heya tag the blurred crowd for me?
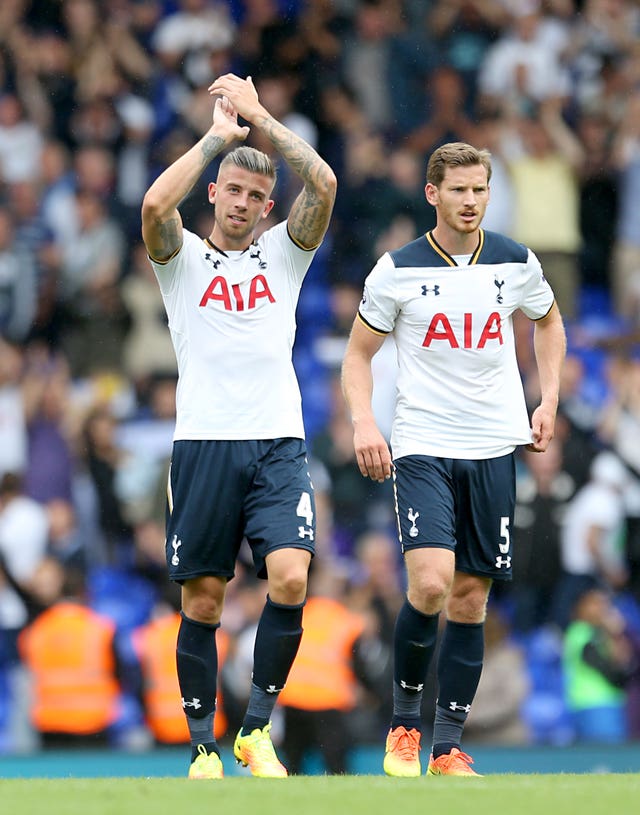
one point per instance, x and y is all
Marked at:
(96, 98)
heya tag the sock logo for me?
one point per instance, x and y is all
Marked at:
(456, 706)
(273, 689)
(194, 703)
(405, 686)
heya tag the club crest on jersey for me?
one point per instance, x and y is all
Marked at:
(254, 254)
(235, 297)
(435, 289)
(440, 328)
(499, 284)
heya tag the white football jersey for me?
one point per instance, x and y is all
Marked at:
(232, 322)
(459, 391)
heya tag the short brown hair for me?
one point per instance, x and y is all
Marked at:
(456, 154)
(255, 161)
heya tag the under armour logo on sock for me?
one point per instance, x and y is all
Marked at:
(406, 686)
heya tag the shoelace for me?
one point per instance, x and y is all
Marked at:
(455, 758)
(263, 746)
(406, 744)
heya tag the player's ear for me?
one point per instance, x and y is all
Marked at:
(268, 208)
(211, 191)
(431, 193)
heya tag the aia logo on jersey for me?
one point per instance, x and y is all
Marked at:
(440, 329)
(235, 297)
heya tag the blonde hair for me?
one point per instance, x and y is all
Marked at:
(255, 161)
(456, 154)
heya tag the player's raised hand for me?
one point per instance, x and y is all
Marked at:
(241, 93)
(372, 452)
(225, 120)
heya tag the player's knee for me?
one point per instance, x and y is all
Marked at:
(428, 591)
(203, 608)
(288, 587)
(469, 606)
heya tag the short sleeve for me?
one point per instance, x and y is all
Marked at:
(379, 306)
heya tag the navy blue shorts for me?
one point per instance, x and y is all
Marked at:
(459, 504)
(220, 492)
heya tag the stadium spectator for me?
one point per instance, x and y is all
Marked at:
(543, 491)
(592, 536)
(94, 320)
(543, 163)
(523, 68)
(357, 505)
(147, 346)
(626, 262)
(102, 458)
(464, 31)
(323, 687)
(155, 648)
(599, 661)
(18, 282)
(599, 195)
(70, 651)
(496, 717)
(446, 119)
(52, 426)
(20, 141)
(13, 419)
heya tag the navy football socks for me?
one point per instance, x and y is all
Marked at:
(277, 642)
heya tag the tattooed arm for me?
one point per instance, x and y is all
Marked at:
(311, 211)
(161, 221)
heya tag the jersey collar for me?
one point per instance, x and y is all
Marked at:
(447, 257)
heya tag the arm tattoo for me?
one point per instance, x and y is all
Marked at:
(309, 216)
(169, 238)
(211, 146)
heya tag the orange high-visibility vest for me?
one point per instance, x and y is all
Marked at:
(321, 677)
(155, 644)
(69, 650)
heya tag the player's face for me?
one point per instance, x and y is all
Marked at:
(241, 200)
(461, 200)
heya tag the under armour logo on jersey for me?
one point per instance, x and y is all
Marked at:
(503, 561)
(435, 289)
(456, 706)
(176, 544)
(499, 284)
(194, 703)
(213, 261)
(303, 532)
(405, 686)
(413, 516)
(255, 254)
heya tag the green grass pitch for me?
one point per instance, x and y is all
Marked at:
(546, 794)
